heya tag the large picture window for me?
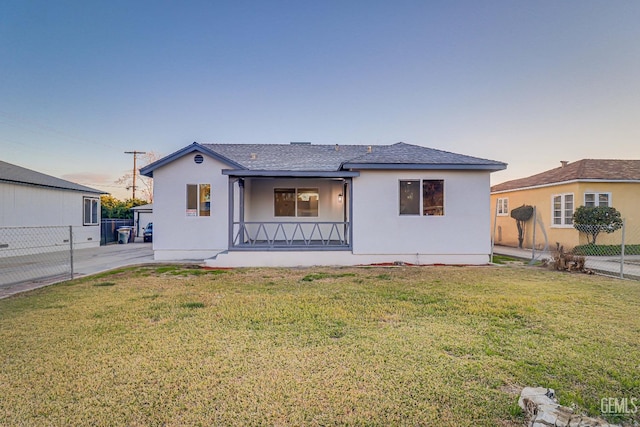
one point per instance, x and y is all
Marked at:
(285, 201)
(426, 201)
(198, 200)
(562, 209)
(301, 202)
(90, 215)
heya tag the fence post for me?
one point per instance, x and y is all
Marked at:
(624, 222)
(493, 235)
(71, 248)
(533, 242)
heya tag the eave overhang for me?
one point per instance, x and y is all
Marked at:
(571, 181)
(425, 166)
(242, 173)
(54, 187)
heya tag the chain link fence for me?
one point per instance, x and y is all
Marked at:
(35, 253)
(609, 250)
(606, 250)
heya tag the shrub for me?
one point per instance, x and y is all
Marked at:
(595, 220)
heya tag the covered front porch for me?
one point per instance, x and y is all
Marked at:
(296, 211)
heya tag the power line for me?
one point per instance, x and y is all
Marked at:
(135, 157)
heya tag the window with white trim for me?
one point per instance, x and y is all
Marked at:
(198, 200)
(592, 200)
(562, 209)
(503, 206)
(90, 211)
(430, 197)
(294, 202)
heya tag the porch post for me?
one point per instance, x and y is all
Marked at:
(350, 184)
(231, 213)
(241, 201)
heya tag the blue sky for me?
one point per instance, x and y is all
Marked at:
(529, 83)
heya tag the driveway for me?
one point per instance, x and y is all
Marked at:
(87, 262)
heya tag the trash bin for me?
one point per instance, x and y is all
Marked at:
(132, 234)
(123, 235)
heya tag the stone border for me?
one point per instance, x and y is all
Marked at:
(542, 410)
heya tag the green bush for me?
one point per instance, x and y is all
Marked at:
(605, 250)
(595, 220)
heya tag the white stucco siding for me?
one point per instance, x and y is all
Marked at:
(31, 206)
(177, 235)
(259, 199)
(378, 228)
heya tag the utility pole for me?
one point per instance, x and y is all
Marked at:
(135, 169)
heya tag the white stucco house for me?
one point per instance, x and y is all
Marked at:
(33, 199)
(307, 204)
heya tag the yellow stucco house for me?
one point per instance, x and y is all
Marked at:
(556, 194)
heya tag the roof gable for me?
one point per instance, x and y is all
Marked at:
(18, 175)
(586, 169)
(193, 148)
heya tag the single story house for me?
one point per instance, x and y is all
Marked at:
(33, 199)
(307, 204)
(556, 194)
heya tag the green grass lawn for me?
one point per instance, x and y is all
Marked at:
(438, 346)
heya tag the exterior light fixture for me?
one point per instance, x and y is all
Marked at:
(340, 198)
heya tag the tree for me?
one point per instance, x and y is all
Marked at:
(521, 215)
(114, 208)
(144, 185)
(595, 220)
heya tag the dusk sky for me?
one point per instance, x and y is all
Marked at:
(528, 83)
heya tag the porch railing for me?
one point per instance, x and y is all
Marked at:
(291, 235)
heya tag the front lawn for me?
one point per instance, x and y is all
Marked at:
(438, 346)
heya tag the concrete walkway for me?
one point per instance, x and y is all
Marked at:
(91, 261)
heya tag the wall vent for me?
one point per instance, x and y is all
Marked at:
(198, 158)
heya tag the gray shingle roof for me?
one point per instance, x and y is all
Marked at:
(290, 157)
(18, 175)
(305, 159)
(308, 157)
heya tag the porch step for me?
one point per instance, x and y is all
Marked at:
(216, 256)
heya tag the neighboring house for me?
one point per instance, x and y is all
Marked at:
(556, 194)
(142, 215)
(33, 199)
(303, 204)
